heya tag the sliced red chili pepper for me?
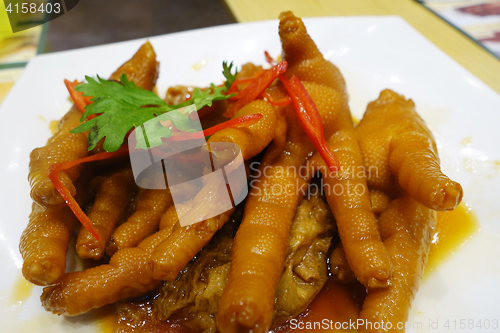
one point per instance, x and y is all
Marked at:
(80, 101)
(309, 118)
(233, 89)
(234, 86)
(247, 80)
(256, 88)
(54, 170)
(270, 59)
(281, 102)
(243, 121)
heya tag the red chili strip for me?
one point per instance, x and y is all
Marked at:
(243, 121)
(309, 118)
(247, 80)
(233, 89)
(234, 86)
(80, 101)
(270, 59)
(281, 102)
(66, 195)
(256, 88)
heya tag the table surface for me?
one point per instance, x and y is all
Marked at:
(464, 50)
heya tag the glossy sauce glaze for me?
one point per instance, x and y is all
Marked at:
(452, 230)
(336, 304)
(137, 316)
(21, 290)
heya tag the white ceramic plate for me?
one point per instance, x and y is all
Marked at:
(373, 53)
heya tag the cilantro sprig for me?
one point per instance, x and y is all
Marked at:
(226, 71)
(124, 106)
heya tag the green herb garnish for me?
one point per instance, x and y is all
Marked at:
(122, 107)
(226, 70)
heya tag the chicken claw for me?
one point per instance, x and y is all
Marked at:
(397, 143)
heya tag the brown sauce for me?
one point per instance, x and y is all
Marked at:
(21, 290)
(119, 320)
(452, 230)
(336, 302)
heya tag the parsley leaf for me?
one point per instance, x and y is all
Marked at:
(207, 96)
(124, 106)
(150, 133)
(120, 108)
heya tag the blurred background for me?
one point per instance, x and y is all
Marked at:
(95, 22)
(467, 30)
